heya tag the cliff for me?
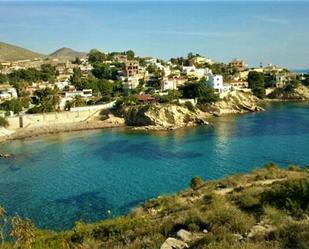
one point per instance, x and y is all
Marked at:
(299, 93)
(233, 103)
(161, 117)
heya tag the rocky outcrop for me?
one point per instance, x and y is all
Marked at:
(161, 117)
(172, 243)
(5, 155)
(299, 93)
(235, 102)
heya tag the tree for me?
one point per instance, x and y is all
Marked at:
(76, 78)
(78, 101)
(95, 56)
(130, 54)
(77, 61)
(105, 87)
(48, 73)
(199, 90)
(3, 78)
(3, 123)
(14, 105)
(256, 83)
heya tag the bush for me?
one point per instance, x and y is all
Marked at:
(189, 106)
(292, 195)
(3, 122)
(222, 213)
(196, 183)
(294, 235)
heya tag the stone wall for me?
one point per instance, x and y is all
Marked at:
(79, 114)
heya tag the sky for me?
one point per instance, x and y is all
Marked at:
(274, 32)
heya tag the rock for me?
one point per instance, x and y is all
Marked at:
(235, 102)
(260, 231)
(158, 117)
(4, 155)
(184, 235)
(205, 231)
(238, 237)
(171, 243)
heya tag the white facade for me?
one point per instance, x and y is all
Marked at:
(216, 82)
(168, 84)
(131, 82)
(8, 93)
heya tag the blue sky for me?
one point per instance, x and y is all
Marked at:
(268, 32)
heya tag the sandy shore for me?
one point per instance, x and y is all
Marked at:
(54, 129)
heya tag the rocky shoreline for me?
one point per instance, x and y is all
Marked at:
(150, 117)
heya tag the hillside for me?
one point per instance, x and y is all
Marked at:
(13, 53)
(266, 209)
(67, 53)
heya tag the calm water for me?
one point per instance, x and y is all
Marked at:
(59, 179)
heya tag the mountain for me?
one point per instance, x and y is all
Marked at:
(67, 53)
(10, 52)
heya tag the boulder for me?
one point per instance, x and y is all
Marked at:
(260, 230)
(184, 235)
(171, 243)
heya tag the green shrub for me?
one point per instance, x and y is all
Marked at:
(196, 182)
(292, 195)
(293, 167)
(222, 213)
(3, 122)
(294, 235)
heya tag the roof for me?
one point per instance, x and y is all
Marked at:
(144, 97)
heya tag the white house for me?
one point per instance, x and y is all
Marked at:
(168, 84)
(8, 93)
(215, 81)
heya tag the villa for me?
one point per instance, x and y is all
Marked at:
(216, 82)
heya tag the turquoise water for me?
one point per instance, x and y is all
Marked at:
(57, 180)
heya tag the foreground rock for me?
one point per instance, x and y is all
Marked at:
(171, 243)
(184, 235)
(161, 117)
(4, 155)
(235, 102)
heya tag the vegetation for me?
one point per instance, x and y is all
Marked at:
(220, 214)
(3, 123)
(286, 92)
(256, 83)
(13, 105)
(199, 90)
(47, 100)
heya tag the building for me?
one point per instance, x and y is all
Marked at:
(8, 93)
(131, 68)
(201, 60)
(216, 82)
(85, 93)
(145, 98)
(169, 84)
(240, 65)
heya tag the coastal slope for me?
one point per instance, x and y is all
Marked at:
(266, 209)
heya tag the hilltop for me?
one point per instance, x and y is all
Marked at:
(10, 52)
(67, 53)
